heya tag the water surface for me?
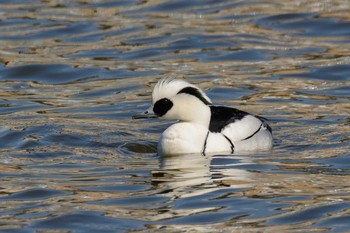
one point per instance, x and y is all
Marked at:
(73, 73)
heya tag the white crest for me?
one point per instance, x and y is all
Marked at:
(169, 87)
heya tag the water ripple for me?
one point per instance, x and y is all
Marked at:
(72, 73)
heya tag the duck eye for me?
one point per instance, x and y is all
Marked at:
(162, 106)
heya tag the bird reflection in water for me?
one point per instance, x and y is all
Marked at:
(188, 175)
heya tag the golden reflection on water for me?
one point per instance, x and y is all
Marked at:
(77, 136)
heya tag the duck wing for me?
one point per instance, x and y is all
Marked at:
(222, 116)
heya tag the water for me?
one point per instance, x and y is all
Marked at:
(72, 73)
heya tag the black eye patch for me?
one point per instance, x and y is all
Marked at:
(162, 106)
(195, 92)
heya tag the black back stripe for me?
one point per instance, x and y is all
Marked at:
(232, 146)
(222, 116)
(205, 143)
(195, 92)
(253, 133)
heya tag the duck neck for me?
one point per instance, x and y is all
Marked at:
(199, 115)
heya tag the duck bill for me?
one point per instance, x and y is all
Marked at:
(145, 115)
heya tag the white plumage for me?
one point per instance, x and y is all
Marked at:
(203, 127)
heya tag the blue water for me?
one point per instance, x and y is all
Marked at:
(73, 73)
